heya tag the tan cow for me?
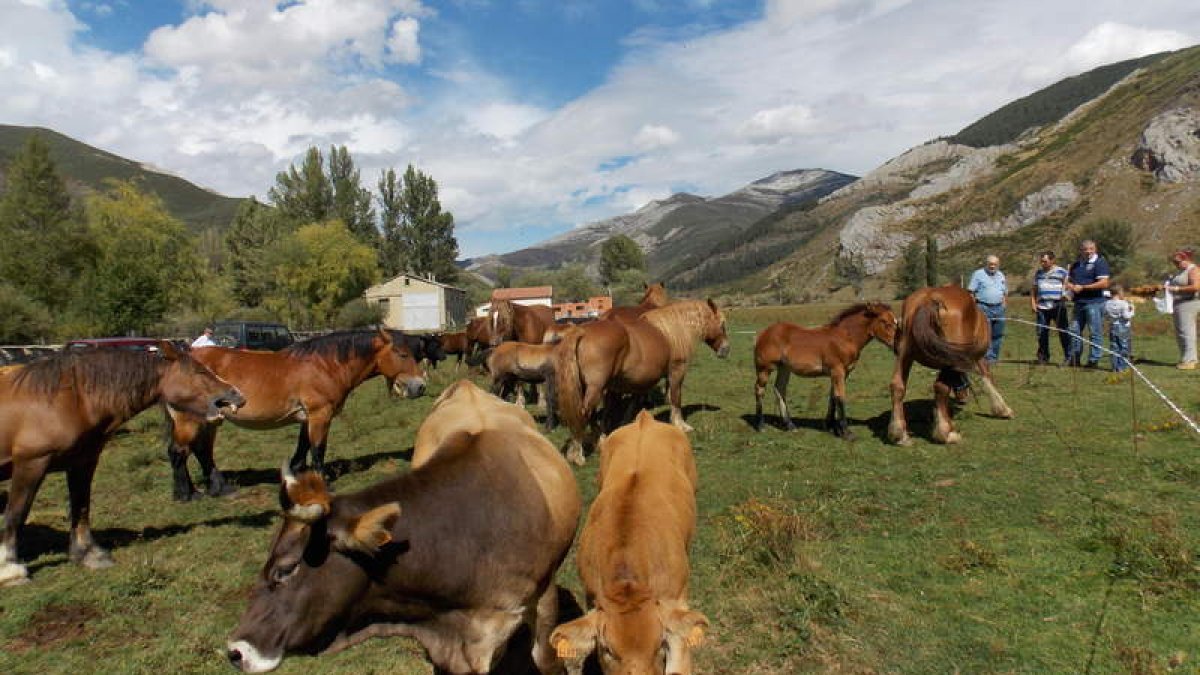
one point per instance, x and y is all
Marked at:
(465, 408)
(633, 556)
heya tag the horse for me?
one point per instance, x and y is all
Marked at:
(306, 383)
(523, 323)
(479, 334)
(57, 414)
(605, 359)
(514, 364)
(943, 329)
(831, 350)
(455, 344)
(426, 348)
(654, 297)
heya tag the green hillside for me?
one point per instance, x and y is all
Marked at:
(86, 168)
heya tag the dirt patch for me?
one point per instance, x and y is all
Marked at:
(53, 624)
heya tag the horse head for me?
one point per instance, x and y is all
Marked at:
(884, 323)
(395, 361)
(716, 334)
(655, 295)
(501, 321)
(188, 386)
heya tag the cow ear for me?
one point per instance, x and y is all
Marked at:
(576, 639)
(686, 625)
(303, 497)
(370, 531)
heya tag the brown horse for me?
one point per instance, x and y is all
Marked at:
(455, 344)
(479, 334)
(941, 328)
(307, 383)
(523, 323)
(57, 413)
(654, 297)
(607, 359)
(514, 364)
(831, 350)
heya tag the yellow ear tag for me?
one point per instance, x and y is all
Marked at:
(563, 649)
(695, 636)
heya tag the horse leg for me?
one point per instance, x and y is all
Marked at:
(836, 417)
(761, 376)
(217, 487)
(999, 407)
(675, 394)
(182, 433)
(898, 427)
(782, 375)
(83, 548)
(318, 433)
(943, 424)
(303, 445)
(551, 403)
(26, 479)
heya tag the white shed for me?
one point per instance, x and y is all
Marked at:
(414, 303)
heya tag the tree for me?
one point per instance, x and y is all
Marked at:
(392, 259)
(849, 269)
(421, 235)
(1114, 239)
(304, 195)
(44, 243)
(351, 202)
(572, 284)
(931, 261)
(318, 269)
(256, 228)
(911, 273)
(619, 253)
(504, 276)
(21, 318)
(145, 264)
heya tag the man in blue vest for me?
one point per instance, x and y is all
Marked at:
(990, 289)
(1086, 280)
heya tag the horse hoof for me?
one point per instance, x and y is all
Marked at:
(222, 491)
(904, 441)
(97, 559)
(952, 438)
(13, 574)
(685, 427)
(847, 435)
(1006, 414)
(194, 495)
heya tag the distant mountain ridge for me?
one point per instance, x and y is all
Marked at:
(676, 229)
(85, 168)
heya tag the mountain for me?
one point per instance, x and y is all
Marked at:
(85, 169)
(677, 229)
(1118, 144)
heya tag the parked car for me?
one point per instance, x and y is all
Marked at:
(11, 355)
(130, 343)
(252, 335)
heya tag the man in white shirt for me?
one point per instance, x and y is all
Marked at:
(205, 339)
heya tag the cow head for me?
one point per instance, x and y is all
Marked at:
(322, 563)
(653, 638)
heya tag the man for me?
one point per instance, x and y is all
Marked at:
(1049, 304)
(205, 339)
(1086, 280)
(990, 289)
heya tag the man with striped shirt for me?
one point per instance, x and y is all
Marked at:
(1049, 304)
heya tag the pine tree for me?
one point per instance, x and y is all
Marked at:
(391, 256)
(255, 229)
(304, 195)
(351, 202)
(426, 233)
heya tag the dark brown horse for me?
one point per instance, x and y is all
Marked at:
(479, 334)
(831, 350)
(654, 297)
(455, 344)
(943, 329)
(305, 384)
(604, 360)
(523, 323)
(57, 413)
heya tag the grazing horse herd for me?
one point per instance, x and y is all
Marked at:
(461, 551)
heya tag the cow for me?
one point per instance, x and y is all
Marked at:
(458, 553)
(426, 348)
(633, 557)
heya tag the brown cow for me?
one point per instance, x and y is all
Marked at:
(633, 556)
(457, 553)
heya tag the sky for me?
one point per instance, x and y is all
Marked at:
(536, 116)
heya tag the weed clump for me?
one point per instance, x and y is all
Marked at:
(767, 531)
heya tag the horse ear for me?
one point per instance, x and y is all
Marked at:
(383, 333)
(713, 306)
(645, 286)
(168, 350)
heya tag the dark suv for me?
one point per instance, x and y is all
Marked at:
(252, 335)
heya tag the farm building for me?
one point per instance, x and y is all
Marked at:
(415, 303)
(531, 295)
(592, 308)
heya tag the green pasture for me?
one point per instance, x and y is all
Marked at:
(1066, 540)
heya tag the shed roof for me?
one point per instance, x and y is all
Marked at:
(523, 293)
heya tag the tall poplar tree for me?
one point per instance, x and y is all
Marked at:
(419, 236)
(304, 195)
(351, 202)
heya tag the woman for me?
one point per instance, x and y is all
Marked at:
(1185, 287)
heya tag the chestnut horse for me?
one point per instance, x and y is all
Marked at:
(306, 383)
(57, 413)
(514, 364)
(523, 323)
(479, 334)
(455, 344)
(654, 297)
(943, 329)
(831, 350)
(604, 360)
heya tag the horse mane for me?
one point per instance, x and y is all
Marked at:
(341, 345)
(682, 323)
(117, 379)
(858, 308)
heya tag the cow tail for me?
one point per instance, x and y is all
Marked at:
(569, 382)
(928, 336)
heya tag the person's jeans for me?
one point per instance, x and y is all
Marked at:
(1185, 328)
(1089, 316)
(1120, 342)
(1058, 316)
(995, 315)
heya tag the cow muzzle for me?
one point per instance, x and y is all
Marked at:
(243, 656)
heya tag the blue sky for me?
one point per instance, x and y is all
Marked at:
(536, 116)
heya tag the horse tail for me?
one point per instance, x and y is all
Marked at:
(927, 333)
(479, 357)
(568, 381)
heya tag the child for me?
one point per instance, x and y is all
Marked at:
(1120, 314)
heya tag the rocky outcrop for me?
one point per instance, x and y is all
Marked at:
(1170, 146)
(1045, 202)
(869, 237)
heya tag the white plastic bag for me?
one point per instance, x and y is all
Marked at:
(1165, 304)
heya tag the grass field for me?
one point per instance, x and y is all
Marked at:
(1066, 540)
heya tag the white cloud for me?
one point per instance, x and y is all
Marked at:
(1110, 42)
(769, 126)
(402, 45)
(652, 136)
